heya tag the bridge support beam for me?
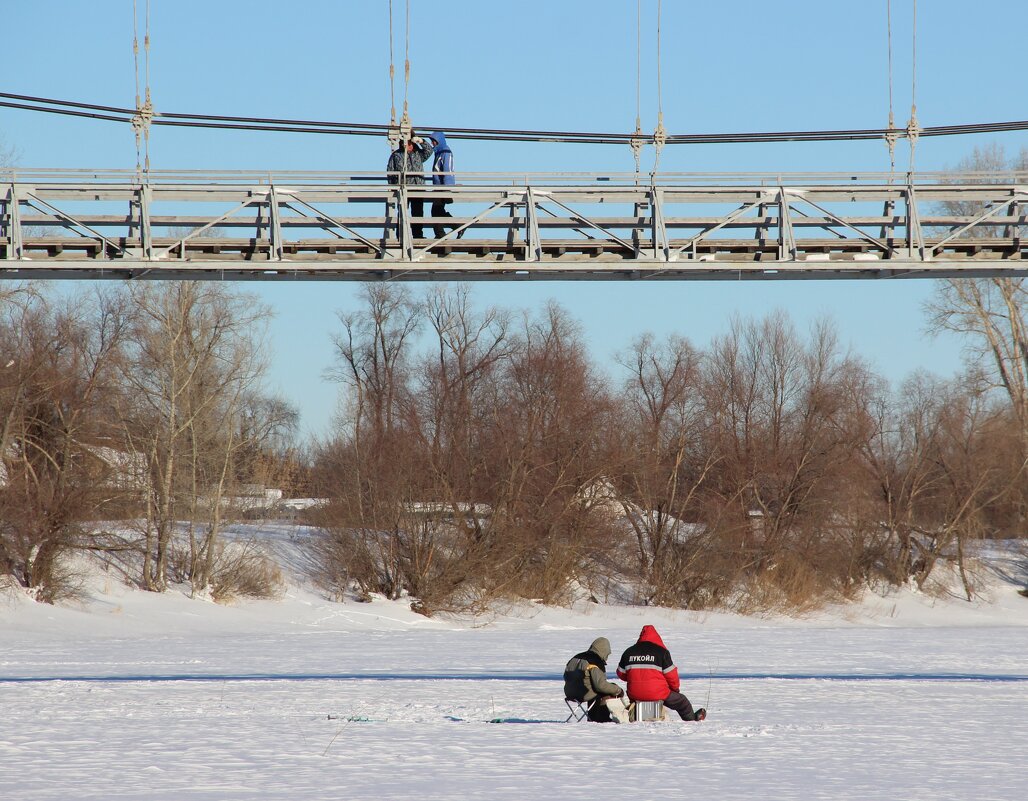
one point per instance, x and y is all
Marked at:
(12, 224)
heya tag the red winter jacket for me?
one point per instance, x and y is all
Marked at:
(648, 669)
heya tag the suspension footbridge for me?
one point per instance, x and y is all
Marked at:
(351, 226)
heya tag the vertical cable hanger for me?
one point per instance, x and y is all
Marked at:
(136, 120)
(659, 135)
(890, 136)
(636, 141)
(405, 126)
(913, 129)
(147, 104)
(394, 133)
(144, 110)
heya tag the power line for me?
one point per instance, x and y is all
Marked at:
(125, 115)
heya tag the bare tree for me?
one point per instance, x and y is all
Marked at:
(449, 413)
(468, 349)
(991, 312)
(8, 154)
(8, 159)
(266, 430)
(972, 478)
(900, 456)
(546, 440)
(373, 355)
(368, 468)
(787, 428)
(666, 462)
(196, 353)
(58, 466)
(985, 165)
(462, 479)
(942, 469)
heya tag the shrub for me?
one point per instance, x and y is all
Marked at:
(241, 570)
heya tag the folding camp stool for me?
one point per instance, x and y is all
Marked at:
(579, 710)
(646, 711)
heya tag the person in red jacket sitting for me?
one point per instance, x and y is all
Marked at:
(651, 675)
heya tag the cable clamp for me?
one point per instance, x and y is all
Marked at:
(636, 143)
(913, 129)
(660, 136)
(659, 140)
(891, 134)
(405, 127)
(143, 117)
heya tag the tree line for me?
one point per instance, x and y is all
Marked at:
(127, 415)
(489, 458)
(481, 454)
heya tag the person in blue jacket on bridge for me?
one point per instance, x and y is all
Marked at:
(442, 175)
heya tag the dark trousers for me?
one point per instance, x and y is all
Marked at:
(681, 705)
(417, 209)
(598, 712)
(439, 210)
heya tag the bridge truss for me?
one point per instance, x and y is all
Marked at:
(346, 226)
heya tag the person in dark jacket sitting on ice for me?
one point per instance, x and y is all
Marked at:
(651, 675)
(585, 680)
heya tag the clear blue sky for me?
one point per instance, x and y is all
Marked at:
(545, 64)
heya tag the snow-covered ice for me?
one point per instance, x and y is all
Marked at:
(131, 695)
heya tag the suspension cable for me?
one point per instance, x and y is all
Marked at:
(216, 121)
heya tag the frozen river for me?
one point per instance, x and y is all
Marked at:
(401, 709)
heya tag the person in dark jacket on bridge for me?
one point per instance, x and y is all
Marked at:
(651, 675)
(408, 162)
(585, 680)
(442, 175)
